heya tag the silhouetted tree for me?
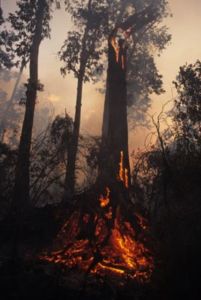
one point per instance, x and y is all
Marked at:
(81, 53)
(115, 127)
(187, 108)
(31, 19)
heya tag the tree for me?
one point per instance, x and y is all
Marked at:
(32, 19)
(81, 55)
(7, 38)
(187, 108)
(49, 158)
(115, 129)
(20, 49)
(98, 21)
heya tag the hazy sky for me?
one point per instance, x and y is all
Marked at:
(185, 47)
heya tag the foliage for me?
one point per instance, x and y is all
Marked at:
(48, 161)
(7, 38)
(7, 167)
(23, 22)
(87, 163)
(143, 76)
(82, 50)
(95, 25)
(187, 107)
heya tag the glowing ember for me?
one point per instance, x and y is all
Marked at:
(120, 59)
(123, 172)
(122, 256)
(104, 200)
(115, 47)
(104, 242)
(119, 49)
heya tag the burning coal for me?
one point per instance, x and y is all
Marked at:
(102, 241)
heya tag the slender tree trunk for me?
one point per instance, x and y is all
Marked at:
(21, 188)
(71, 165)
(10, 101)
(115, 127)
(72, 153)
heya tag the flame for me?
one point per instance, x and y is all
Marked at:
(115, 47)
(123, 256)
(104, 243)
(123, 172)
(119, 60)
(104, 200)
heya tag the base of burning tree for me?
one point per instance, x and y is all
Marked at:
(104, 239)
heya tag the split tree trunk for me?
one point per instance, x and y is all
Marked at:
(21, 188)
(115, 128)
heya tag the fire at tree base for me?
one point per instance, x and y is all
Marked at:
(104, 239)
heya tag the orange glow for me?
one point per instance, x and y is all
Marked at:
(123, 256)
(104, 200)
(123, 62)
(115, 47)
(104, 243)
(123, 172)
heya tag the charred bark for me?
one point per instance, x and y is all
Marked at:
(21, 188)
(115, 128)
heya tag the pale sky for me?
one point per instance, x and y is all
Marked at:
(185, 47)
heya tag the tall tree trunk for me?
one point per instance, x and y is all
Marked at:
(114, 148)
(10, 101)
(72, 153)
(21, 188)
(115, 128)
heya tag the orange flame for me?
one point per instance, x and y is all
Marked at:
(106, 250)
(123, 172)
(115, 47)
(122, 256)
(119, 60)
(105, 200)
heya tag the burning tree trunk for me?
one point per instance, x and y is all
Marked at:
(115, 128)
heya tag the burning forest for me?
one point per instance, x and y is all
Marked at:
(84, 212)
